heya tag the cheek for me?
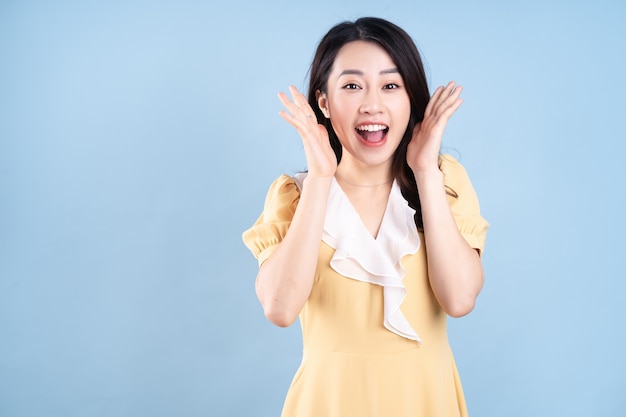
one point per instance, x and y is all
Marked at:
(404, 110)
(336, 108)
(340, 128)
(340, 117)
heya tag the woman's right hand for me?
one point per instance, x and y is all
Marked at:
(320, 157)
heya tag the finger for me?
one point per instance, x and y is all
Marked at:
(298, 106)
(289, 105)
(440, 95)
(444, 116)
(446, 92)
(292, 120)
(291, 112)
(450, 98)
(294, 111)
(455, 92)
(295, 117)
(452, 108)
(298, 97)
(301, 101)
(432, 102)
(450, 87)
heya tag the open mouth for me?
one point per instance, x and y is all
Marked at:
(372, 133)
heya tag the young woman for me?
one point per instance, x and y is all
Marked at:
(378, 241)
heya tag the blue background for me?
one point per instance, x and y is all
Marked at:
(138, 139)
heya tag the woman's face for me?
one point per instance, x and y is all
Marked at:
(367, 103)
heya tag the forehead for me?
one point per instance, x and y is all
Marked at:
(363, 56)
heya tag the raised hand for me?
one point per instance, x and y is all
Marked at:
(423, 150)
(321, 160)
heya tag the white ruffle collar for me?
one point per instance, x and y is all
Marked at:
(358, 255)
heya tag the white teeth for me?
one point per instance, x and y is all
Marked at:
(371, 128)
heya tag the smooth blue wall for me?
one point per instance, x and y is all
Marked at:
(138, 139)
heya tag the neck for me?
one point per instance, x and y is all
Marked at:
(378, 184)
(364, 176)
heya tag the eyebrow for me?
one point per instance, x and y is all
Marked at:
(359, 72)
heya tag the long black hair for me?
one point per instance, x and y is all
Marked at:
(403, 52)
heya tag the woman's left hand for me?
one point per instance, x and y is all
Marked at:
(423, 151)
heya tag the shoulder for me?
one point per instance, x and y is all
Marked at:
(272, 225)
(450, 166)
(461, 194)
(283, 193)
(455, 177)
(283, 184)
(463, 202)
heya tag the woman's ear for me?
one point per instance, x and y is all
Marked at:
(322, 102)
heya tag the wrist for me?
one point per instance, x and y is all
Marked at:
(428, 181)
(313, 179)
(433, 174)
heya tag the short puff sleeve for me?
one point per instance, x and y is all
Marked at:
(271, 226)
(463, 202)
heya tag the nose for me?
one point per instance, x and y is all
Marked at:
(371, 102)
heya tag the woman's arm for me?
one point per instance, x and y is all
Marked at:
(285, 279)
(454, 268)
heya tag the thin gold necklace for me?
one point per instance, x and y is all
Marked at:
(363, 185)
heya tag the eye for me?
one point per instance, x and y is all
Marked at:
(391, 86)
(351, 86)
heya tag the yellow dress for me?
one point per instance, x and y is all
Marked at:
(362, 356)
